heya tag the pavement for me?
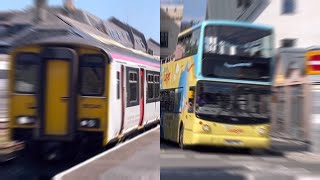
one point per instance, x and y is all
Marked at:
(291, 162)
(136, 159)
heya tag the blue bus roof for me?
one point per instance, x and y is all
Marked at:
(228, 23)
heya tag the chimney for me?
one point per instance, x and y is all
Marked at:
(40, 10)
(69, 5)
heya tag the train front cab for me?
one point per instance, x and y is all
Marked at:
(58, 97)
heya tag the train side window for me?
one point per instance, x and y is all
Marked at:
(150, 86)
(27, 73)
(132, 86)
(118, 85)
(153, 86)
(92, 75)
(156, 86)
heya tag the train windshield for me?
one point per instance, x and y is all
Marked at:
(92, 69)
(237, 53)
(233, 103)
(26, 73)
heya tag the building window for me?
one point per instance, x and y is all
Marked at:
(239, 4)
(244, 3)
(118, 36)
(142, 44)
(288, 6)
(288, 43)
(164, 39)
(150, 51)
(247, 3)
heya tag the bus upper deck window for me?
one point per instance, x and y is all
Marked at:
(26, 73)
(92, 70)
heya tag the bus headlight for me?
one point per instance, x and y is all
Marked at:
(262, 131)
(25, 120)
(206, 128)
(90, 123)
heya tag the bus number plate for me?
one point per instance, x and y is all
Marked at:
(233, 142)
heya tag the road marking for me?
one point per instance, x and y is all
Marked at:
(60, 175)
(304, 177)
(241, 158)
(274, 159)
(172, 156)
(200, 156)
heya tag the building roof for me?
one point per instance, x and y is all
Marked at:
(58, 21)
(134, 34)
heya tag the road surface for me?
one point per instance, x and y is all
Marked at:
(218, 163)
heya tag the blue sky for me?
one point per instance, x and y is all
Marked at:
(144, 15)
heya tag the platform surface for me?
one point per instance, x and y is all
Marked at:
(135, 159)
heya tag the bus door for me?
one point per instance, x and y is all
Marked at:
(142, 94)
(57, 97)
(178, 103)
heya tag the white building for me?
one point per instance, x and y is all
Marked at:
(295, 22)
(170, 15)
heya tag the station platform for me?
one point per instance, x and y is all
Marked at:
(135, 159)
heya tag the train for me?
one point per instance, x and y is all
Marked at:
(71, 88)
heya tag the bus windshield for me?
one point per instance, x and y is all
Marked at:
(232, 103)
(236, 67)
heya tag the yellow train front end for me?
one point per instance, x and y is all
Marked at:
(57, 98)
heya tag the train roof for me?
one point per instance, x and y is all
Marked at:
(73, 32)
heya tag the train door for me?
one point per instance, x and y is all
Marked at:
(57, 107)
(142, 88)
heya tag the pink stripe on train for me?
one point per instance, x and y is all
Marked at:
(126, 58)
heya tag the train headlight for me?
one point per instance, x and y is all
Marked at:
(25, 120)
(206, 128)
(262, 131)
(90, 123)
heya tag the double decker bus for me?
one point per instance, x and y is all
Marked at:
(217, 89)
